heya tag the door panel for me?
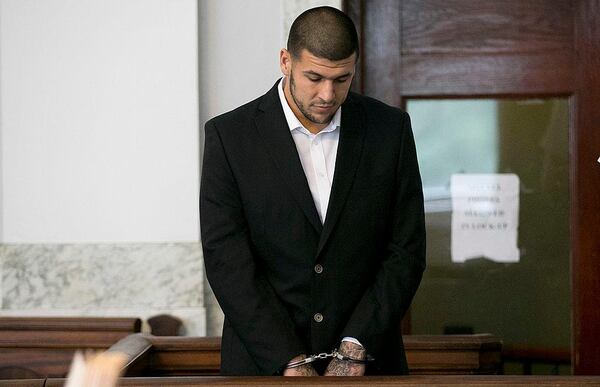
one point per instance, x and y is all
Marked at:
(502, 74)
(448, 26)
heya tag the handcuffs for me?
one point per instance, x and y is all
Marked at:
(324, 355)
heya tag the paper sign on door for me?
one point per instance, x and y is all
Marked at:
(485, 217)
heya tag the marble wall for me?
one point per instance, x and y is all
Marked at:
(128, 279)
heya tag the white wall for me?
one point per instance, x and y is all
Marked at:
(239, 52)
(99, 120)
(100, 109)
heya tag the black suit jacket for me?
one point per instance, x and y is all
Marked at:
(262, 236)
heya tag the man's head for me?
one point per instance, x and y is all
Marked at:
(325, 32)
(319, 65)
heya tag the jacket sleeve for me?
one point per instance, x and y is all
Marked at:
(384, 303)
(245, 295)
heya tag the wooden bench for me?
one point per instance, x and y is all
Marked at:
(40, 347)
(192, 356)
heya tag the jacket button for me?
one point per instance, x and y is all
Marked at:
(318, 317)
(318, 269)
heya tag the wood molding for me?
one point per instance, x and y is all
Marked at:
(502, 74)
(124, 324)
(585, 191)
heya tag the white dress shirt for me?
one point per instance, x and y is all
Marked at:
(317, 153)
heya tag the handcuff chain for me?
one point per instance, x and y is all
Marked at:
(325, 355)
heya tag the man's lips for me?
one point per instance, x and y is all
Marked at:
(323, 108)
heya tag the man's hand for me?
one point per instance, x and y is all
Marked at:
(346, 368)
(303, 370)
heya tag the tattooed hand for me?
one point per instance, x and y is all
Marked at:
(303, 370)
(346, 368)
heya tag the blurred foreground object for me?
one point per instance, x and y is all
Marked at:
(95, 370)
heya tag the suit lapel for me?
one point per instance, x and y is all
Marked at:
(350, 147)
(274, 130)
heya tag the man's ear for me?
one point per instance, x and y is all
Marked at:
(285, 62)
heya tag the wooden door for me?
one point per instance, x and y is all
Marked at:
(511, 49)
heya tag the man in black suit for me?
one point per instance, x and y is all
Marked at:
(311, 212)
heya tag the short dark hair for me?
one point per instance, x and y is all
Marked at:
(325, 32)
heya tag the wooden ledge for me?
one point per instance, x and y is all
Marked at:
(194, 356)
(65, 332)
(371, 381)
(70, 323)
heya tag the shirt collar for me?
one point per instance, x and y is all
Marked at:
(293, 121)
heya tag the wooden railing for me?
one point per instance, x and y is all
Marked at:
(39, 347)
(43, 347)
(370, 381)
(452, 360)
(185, 356)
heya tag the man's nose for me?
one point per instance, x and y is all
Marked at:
(327, 91)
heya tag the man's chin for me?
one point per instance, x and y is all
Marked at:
(320, 119)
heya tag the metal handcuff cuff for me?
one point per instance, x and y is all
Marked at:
(334, 354)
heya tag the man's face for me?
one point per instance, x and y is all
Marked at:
(316, 87)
